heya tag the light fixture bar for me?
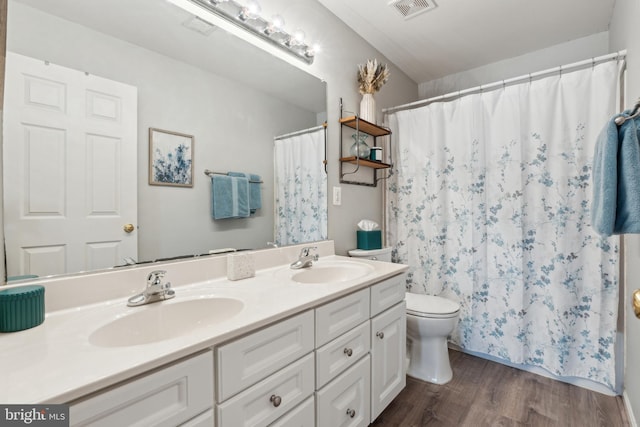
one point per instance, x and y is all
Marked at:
(236, 14)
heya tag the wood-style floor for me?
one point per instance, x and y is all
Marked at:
(485, 393)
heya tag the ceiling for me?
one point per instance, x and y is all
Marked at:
(459, 35)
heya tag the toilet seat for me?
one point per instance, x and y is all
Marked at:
(430, 306)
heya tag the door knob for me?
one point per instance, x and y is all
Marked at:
(128, 228)
(636, 302)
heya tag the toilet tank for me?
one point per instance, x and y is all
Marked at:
(383, 254)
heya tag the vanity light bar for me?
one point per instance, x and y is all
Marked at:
(249, 19)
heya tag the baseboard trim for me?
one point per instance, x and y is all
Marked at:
(627, 405)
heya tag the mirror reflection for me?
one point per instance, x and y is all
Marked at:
(85, 84)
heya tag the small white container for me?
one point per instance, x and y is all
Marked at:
(240, 266)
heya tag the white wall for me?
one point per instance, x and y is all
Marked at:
(624, 35)
(342, 51)
(561, 54)
(3, 40)
(233, 127)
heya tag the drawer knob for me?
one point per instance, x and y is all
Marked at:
(276, 400)
(348, 352)
(380, 334)
(351, 412)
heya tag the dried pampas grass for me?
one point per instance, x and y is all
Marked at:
(372, 76)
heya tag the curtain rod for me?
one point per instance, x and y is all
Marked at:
(301, 132)
(569, 67)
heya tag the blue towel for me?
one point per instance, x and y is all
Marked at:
(230, 197)
(615, 207)
(255, 195)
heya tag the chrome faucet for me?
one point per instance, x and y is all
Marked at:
(155, 290)
(305, 259)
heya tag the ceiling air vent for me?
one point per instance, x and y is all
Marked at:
(412, 8)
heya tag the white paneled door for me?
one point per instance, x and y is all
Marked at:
(70, 161)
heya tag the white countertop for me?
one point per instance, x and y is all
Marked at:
(55, 362)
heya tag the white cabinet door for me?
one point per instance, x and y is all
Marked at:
(271, 398)
(345, 401)
(246, 361)
(388, 338)
(167, 397)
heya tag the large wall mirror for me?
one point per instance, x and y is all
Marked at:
(164, 69)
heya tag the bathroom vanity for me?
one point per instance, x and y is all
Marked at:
(320, 347)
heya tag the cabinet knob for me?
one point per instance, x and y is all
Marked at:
(380, 334)
(348, 352)
(351, 412)
(276, 400)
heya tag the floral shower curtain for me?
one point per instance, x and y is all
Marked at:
(489, 205)
(300, 188)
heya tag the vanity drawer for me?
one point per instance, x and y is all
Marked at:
(256, 406)
(206, 419)
(304, 415)
(342, 352)
(254, 357)
(167, 397)
(345, 401)
(387, 293)
(337, 317)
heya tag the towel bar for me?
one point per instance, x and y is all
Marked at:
(210, 172)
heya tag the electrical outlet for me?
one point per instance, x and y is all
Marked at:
(337, 196)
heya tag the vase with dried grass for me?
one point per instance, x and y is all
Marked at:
(371, 77)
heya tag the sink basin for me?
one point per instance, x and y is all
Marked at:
(164, 320)
(332, 273)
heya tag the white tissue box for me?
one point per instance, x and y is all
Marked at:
(240, 266)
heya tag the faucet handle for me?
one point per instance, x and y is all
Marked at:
(304, 252)
(155, 277)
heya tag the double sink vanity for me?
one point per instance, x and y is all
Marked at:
(317, 346)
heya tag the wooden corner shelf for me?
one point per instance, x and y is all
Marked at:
(365, 162)
(364, 126)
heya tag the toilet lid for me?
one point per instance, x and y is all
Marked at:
(430, 305)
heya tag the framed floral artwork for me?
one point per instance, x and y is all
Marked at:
(170, 158)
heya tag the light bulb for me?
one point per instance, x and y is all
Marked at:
(277, 22)
(298, 36)
(275, 26)
(250, 11)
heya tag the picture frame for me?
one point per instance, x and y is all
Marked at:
(170, 158)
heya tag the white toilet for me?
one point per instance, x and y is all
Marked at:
(430, 320)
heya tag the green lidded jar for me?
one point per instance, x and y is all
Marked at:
(21, 308)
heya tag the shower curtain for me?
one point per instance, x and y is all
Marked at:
(489, 206)
(300, 188)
